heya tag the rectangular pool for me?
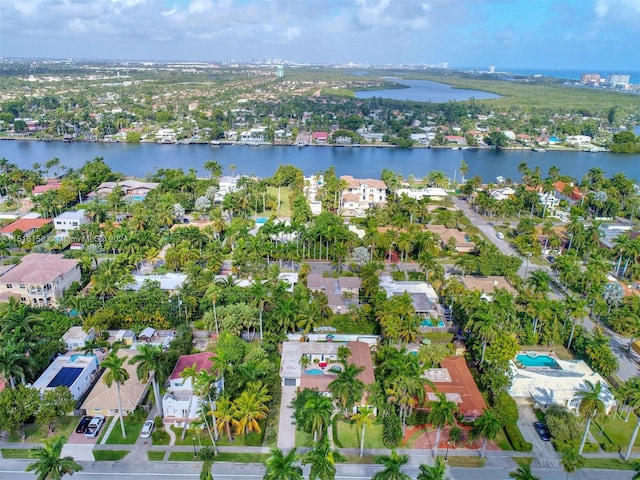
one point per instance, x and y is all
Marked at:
(536, 360)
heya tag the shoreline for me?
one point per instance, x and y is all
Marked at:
(595, 149)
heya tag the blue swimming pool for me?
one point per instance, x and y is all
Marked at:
(261, 220)
(429, 323)
(314, 371)
(536, 360)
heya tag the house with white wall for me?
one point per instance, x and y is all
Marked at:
(69, 221)
(75, 372)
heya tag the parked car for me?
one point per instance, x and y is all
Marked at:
(147, 429)
(500, 235)
(94, 426)
(83, 424)
(542, 431)
(551, 259)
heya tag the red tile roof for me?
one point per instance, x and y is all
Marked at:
(200, 360)
(462, 385)
(25, 225)
(576, 194)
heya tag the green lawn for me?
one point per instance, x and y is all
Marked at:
(132, 429)
(16, 453)
(303, 439)
(607, 463)
(155, 456)
(38, 433)
(350, 436)
(467, 462)
(221, 457)
(110, 455)
(617, 433)
(285, 208)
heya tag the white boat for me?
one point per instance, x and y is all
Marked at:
(539, 150)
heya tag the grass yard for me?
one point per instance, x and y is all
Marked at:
(303, 439)
(132, 429)
(349, 435)
(617, 433)
(155, 456)
(607, 463)
(16, 453)
(38, 433)
(183, 457)
(109, 455)
(466, 462)
(221, 457)
(285, 207)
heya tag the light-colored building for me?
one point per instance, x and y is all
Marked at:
(76, 372)
(104, 400)
(547, 381)
(434, 193)
(361, 194)
(460, 239)
(70, 220)
(170, 282)
(76, 338)
(324, 365)
(131, 188)
(40, 279)
(423, 297)
(26, 226)
(341, 292)
(487, 285)
(180, 404)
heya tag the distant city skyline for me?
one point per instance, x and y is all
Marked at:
(589, 35)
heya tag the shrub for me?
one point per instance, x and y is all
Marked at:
(506, 408)
(516, 439)
(334, 431)
(253, 439)
(391, 431)
(160, 437)
(417, 417)
(157, 421)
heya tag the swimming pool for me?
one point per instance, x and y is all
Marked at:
(428, 323)
(536, 360)
(314, 371)
(261, 220)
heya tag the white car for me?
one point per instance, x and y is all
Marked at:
(94, 426)
(147, 429)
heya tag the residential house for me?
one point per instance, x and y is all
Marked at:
(460, 239)
(171, 281)
(433, 193)
(26, 227)
(341, 292)
(320, 137)
(127, 337)
(455, 139)
(454, 379)
(76, 372)
(569, 192)
(361, 194)
(579, 140)
(423, 297)
(51, 184)
(104, 400)
(76, 338)
(40, 279)
(554, 382)
(324, 366)
(487, 285)
(131, 188)
(180, 403)
(502, 193)
(69, 221)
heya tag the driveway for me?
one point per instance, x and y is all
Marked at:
(544, 453)
(286, 428)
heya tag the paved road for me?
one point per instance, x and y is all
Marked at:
(14, 470)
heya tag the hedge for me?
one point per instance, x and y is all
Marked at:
(516, 439)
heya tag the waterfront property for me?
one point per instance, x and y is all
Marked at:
(76, 372)
(360, 194)
(546, 380)
(130, 188)
(40, 279)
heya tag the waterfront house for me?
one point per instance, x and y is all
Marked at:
(362, 193)
(40, 279)
(131, 188)
(320, 137)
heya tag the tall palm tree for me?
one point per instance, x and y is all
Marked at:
(435, 472)
(442, 412)
(49, 465)
(363, 418)
(392, 464)
(150, 364)
(347, 388)
(248, 411)
(14, 364)
(323, 461)
(632, 387)
(283, 467)
(317, 413)
(116, 373)
(591, 406)
(487, 426)
(523, 472)
(571, 461)
(225, 416)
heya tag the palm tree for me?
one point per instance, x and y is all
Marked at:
(14, 364)
(151, 364)
(317, 413)
(49, 465)
(248, 410)
(591, 406)
(283, 467)
(347, 388)
(435, 472)
(632, 388)
(323, 461)
(523, 472)
(225, 416)
(392, 465)
(571, 461)
(116, 373)
(487, 426)
(363, 418)
(441, 413)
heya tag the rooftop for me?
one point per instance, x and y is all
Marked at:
(39, 268)
(24, 225)
(201, 361)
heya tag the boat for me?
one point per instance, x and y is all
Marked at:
(215, 142)
(538, 149)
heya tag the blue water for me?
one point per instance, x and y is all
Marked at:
(138, 160)
(537, 361)
(261, 220)
(426, 91)
(314, 371)
(428, 323)
(137, 198)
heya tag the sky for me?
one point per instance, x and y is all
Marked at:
(556, 34)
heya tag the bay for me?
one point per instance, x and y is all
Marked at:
(138, 160)
(426, 91)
